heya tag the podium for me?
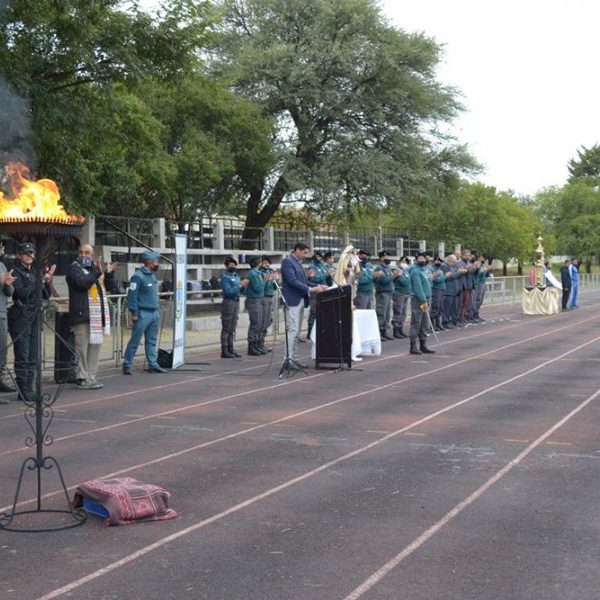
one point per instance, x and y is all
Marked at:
(334, 327)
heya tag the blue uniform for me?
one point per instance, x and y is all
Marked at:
(320, 277)
(142, 301)
(384, 287)
(365, 286)
(230, 309)
(574, 272)
(255, 292)
(267, 303)
(421, 293)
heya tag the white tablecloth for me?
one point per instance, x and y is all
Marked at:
(365, 334)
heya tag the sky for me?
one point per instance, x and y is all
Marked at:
(528, 74)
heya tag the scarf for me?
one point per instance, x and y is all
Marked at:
(98, 313)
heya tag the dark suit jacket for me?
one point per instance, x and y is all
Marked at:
(295, 284)
(565, 277)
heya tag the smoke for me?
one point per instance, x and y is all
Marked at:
(15, 125)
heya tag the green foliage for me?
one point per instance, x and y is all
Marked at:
(121, 117)
(356, 102)
(572, 214)
(586, 167)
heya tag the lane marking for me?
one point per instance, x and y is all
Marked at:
(195, 379)
(275, 490)
(289, 382)
(283, 419)
(517, 441)
(461, 506)
(559, 444)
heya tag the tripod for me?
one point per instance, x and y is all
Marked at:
(290, 367)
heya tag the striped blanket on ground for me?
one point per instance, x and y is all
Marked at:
(127, 500)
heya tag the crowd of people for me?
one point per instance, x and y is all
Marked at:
(432, 294)
(436, 293)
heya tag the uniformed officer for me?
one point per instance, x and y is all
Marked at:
(142, 301)
(364, 282)
(484, 272)
(450, 293)
(23, 319)
(400, 299)
(419, 303)
(384, 288)
(269, 276)
(255, 292)
(317, 274)
(329, 261)
(230, 308)
(438, 287)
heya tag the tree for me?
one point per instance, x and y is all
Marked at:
(586, 167)
(356, 102)
(71, 68)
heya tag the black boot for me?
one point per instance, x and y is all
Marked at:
(261, 346)
(425, 349)
(413, 347)
(398, 333)
(382, 335)
(253, 350)
(386, 334)
(232, 351)
(225, 352)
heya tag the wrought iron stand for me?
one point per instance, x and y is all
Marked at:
(39, 411)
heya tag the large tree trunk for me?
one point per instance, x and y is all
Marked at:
(256, 219)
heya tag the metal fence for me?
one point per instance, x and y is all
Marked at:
(204, 324)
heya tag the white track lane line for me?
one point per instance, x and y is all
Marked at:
(267, 424)
(277, 421)
(275, 490)
(429, 533)
(285, 383)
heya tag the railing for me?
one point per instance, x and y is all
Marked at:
(204, 324)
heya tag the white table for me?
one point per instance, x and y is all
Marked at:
(366, 340)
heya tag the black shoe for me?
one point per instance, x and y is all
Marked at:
(425, 349)
(235, 354)
(7, 387)
(127, 370)
(156, 369)
(253, 350)
(414, 349)
(226, 354)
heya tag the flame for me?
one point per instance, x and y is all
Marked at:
(30, 201)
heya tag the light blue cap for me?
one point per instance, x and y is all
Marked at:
(150, 255)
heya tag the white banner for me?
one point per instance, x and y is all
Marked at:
(179, 299)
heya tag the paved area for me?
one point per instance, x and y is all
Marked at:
(469, 474)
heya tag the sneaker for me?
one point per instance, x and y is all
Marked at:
(95, 385)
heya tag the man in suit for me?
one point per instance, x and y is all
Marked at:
(565, 280)
(296, 290)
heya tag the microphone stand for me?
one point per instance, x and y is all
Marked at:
(290, 367)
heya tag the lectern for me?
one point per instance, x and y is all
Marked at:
(334, 327)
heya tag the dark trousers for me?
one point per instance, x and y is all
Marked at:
(418, 321)
(437, 295)
(254, 308)
(267, 315)
(364, 301)
(23, 331)
(400, 302)
(565, 297)
(465, 302)
(479, 296)
(448, 310)
(383, 306)
(230, 310)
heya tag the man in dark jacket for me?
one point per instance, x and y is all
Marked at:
(6, 292)
(85, 279)
(565, 280)
(23, 319)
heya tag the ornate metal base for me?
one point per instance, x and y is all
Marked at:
(11, 522)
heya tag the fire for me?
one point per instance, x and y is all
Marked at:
(31, 200)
